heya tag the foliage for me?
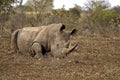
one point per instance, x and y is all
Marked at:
(24, 8)
(98, 17)
(117, 9)
(117, 19)
(97, 5)
(5, 6)
(105, 16)
(98, 12)
(41, 8)
(75, 12)
(69, 17)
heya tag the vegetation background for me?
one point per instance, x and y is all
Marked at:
(96, 18)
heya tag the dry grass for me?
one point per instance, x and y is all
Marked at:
(96, 58)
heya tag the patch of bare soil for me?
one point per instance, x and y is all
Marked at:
(95, 58)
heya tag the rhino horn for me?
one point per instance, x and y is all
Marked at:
(67, 45)
(70, 49)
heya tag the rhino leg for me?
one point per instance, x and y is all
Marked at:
(36, 50)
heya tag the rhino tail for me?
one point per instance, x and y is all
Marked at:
(14, 46)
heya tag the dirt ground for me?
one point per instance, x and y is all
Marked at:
(96, 58)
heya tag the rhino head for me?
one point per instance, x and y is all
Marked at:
(61, 45)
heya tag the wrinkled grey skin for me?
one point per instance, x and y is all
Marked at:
(45, 40)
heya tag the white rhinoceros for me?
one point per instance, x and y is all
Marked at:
(51, 39)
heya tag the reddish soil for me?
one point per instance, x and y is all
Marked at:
(96, 58)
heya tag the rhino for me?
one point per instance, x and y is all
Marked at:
(52, 40)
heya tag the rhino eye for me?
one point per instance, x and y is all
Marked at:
(57, 45)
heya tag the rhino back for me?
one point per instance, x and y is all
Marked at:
(47, 35)
(26, 37)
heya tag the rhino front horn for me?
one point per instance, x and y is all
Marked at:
(70, 49)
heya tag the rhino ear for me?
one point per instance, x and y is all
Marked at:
(74, 31)
(62, 27)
